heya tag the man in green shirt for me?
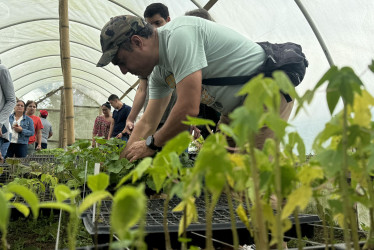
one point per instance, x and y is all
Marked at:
(192, 49)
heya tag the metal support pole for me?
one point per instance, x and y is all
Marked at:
(316, 32)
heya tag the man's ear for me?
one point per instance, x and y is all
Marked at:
(168, 19)
(136, 41)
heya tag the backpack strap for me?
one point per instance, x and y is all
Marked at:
(235, 80)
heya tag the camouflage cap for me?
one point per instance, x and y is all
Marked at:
(115, 32)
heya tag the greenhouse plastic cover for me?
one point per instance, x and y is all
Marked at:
(30, 47)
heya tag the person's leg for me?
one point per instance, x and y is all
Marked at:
(44, 145)
(30, 149)
(11, 150)
(21, 150)
(265, 132)
(4, 148)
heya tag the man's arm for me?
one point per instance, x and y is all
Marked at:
(147, 125)
(137, 105)
(188, 101)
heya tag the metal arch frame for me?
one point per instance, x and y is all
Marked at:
(47, 19)
(72, 68)
(60, 75)
(75, 57)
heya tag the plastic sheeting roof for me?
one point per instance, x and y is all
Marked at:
(29, 41)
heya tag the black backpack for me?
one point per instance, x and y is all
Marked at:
(283, 56)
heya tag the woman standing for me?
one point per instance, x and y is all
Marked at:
(102, 123)
(22, 129)
(38, 126)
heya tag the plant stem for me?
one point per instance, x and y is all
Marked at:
(3, 240)
(325, 232)
(165, 222)
(248, 208)
(347, 209)
(278, 192)
(261, 237)
(233, 219)
(298, 228)
(184, 243)
(370, 240)
(209, 217)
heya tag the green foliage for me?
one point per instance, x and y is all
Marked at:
(129, 204)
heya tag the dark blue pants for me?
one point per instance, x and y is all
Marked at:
(17, 150)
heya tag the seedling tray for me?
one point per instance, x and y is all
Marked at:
(154, 218)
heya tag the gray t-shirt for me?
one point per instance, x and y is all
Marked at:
(47, 127)
(7, 101)
(188, 44)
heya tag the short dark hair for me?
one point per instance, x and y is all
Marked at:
(156, 8)
(203, 13)
(107, 104)
(30, 102)
(113, 97)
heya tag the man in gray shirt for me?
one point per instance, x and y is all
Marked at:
(47, 128)
(7, 104)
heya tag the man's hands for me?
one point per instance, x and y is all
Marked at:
(129, 127)
(38, 147)
(137, 150)
(195, 132)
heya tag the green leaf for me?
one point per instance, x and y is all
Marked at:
(22, 208)
(371, 66)
(93, 198)
(285, 84)
(57, 205)
(240, 211)
(191, 213)
(4, 212)
(178, 144)
(98, 182)
(129, 204)
(332, 95)
(277, 124)
(308, 174)
(27, 195)
(195, 121)
(63, 192)
(331, 161)
(327, 76)
(213, 162)
(115, 166)
(298, 198)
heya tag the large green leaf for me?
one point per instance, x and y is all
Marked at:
(93, 198)
(22, 208)
(4, 212)
(371, 66)
(98, 182)
(178, 144)
(62, 192)
(298, 198)
(214, 163)
(331, 161)
(129, 204)
(198, 121)
(57, 205)
(27, 195)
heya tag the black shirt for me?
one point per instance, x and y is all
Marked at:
(120, 117)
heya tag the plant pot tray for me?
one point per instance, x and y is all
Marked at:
(154, 217)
